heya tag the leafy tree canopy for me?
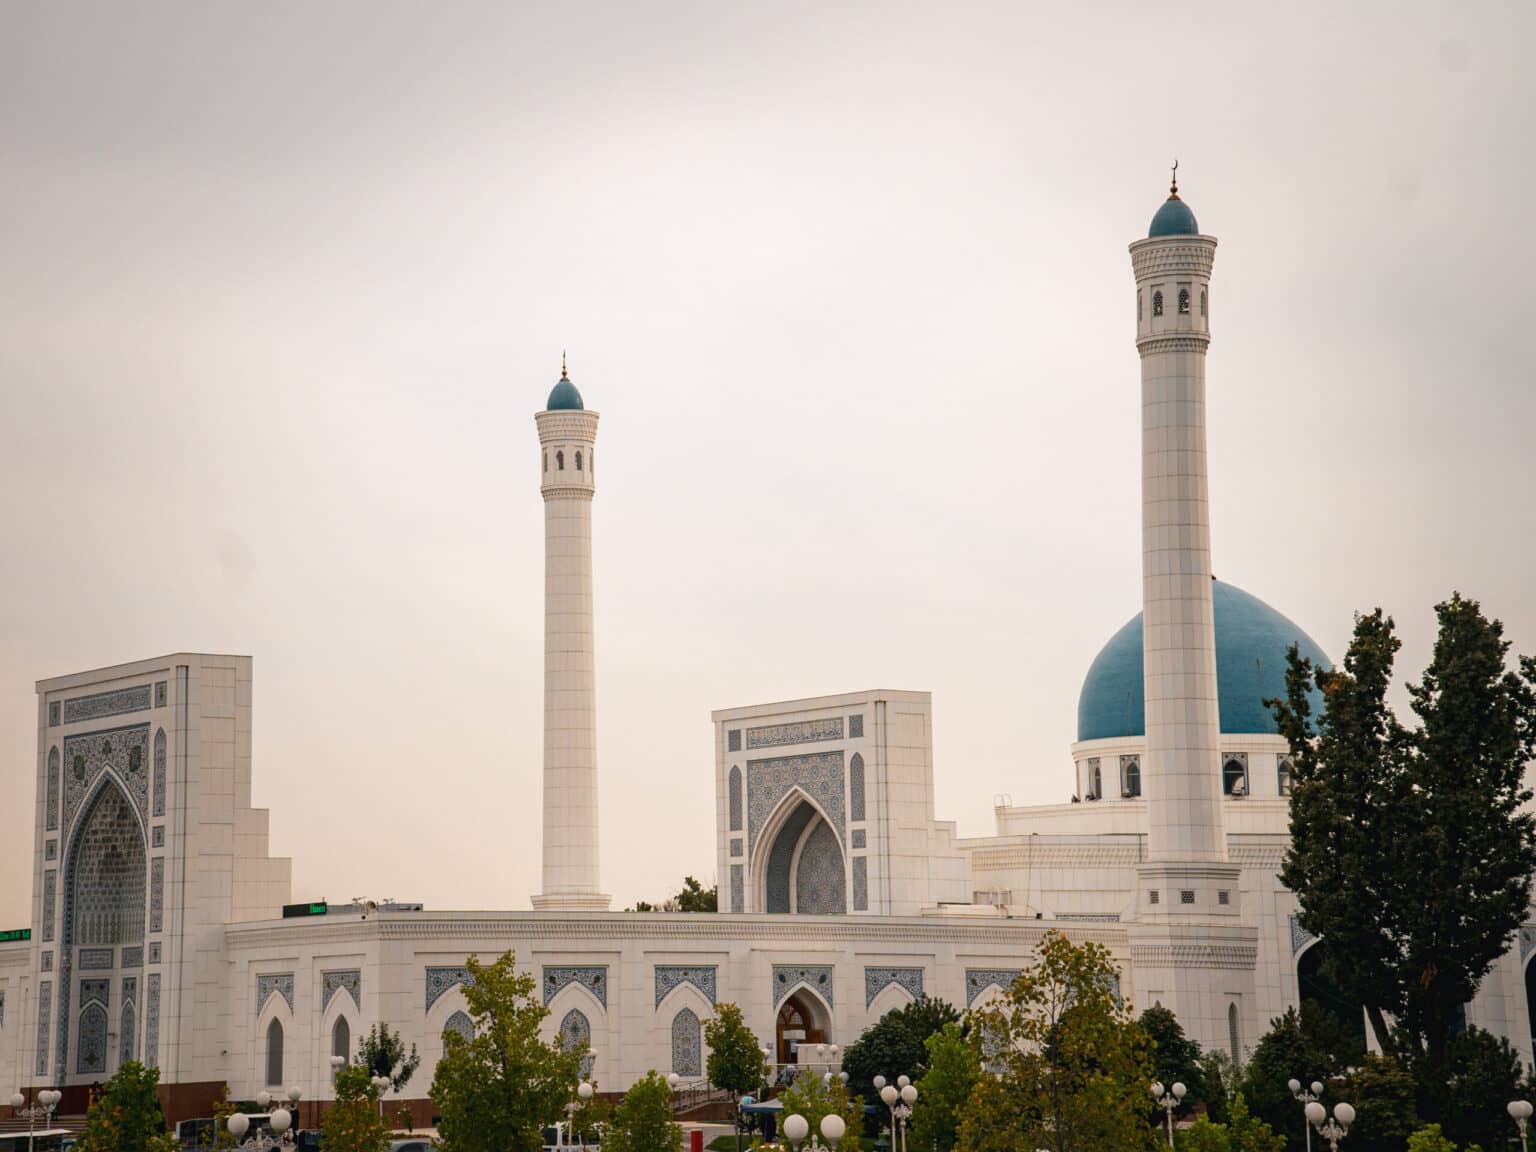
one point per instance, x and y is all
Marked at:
(126, 1116)
(643, 1120)
(815, 1098)
(953, 1068)
(352, 1124)
(496, 1091)
(1176, 1056)
(896, 1044)
(735, 1062)
(383, 1053)
(1072, 1067)
(693, 898)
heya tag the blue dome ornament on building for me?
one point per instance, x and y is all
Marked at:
(564, 397)
(1174, 218)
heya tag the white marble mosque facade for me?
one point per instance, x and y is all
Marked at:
(155, 925)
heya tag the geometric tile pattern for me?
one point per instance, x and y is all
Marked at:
(53, 789)
(735, 799)
(670, 976)
(778, 877)
(152, 1021)
(133, 957)
(978, 980)
(157, 894)
(733, 740)
(858, 838)
(439, 980)
(159, 808)
(738, 888)
(47, 961)
(92, 1057)
(860, 882)
(50, 902)
(687, 1044)
(51, 850)
(576, 1033)
(594, 978)
(1300, 937)
(332, 982)
(856, 787)
(803, 732)
(820, 880)
(819, 775)
(856, 726)
(86, 756)
(113, 703)
(157, 836)
(44, 1010)
(154, 952)
(461, 1023)
(816, 976)
(876, 980)
(53, 714)
(159, 693)
(125, 1035)
(281, 983)
(108, 866)
(96, 959)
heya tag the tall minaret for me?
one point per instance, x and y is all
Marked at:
(567, 433)
(1189, 946)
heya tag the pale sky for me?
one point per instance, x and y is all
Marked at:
(281, 286)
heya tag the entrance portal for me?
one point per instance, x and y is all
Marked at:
(801, 1020)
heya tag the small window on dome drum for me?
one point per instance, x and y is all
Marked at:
(1157, 303)
(578, 459)
(1283, 775)
(1183, 301)
(1234, 774)
(1202, 301)
(559, 461)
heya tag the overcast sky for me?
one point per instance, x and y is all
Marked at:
(281, 286)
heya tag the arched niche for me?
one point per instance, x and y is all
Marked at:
(802, 1017)
(1316, 987)
(800, 866)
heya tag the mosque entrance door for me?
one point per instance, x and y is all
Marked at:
(800, 1021)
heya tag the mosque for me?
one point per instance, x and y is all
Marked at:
(158, 931)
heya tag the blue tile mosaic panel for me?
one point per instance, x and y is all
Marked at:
(687, 1044)
(856, 726)
(670, 976)
(159, 808)
(738, 888)
(51, 850)
(439, 980)
(102, 704)
(876, 980)
(735, 846)
(126, 1036)
(157, 836)
(861, 884)
(978, 980)
(154, 952)
(576, 1033)
(88, 755)
(778, 876)
(157, 894)
(159, 693)
(856, 787)
(331, 983)
(105, 905)
(733, 740)
(53, 714)
(593, 977)
(734, 789)
(131, 988)
(820, 882)
(279, 982)
(152, 1020)
(44, 1022)
(91, 1057)
(48, 961)
(461, 1024)
(95, 959)
(50, 902)
(786, 977)
(1300, 937)
(801, 732)
(52, 809)
(97, 989)
(133, 957)
(859, 838)
(819, 775)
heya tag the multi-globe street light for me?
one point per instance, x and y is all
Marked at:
(832, 1128)
(1520, 1112)
(47, 1100)
(1169, 1102)
(239, 1124)
(899, 1098)
(1304, 1097)
(1335, 1129)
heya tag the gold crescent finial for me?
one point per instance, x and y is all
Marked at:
(563, 376)
(1173, 189)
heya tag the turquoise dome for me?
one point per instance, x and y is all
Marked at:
(1173, 219)
(1251, 642)
(564, 397)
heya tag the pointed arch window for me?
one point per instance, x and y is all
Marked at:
(127, 1035)
(275, 1052)
(92, 1060)
(1138, 307)
(1283, 768)
(546, 461)
(856, 787)
(687, 1044)
(1130, 777)
(53, 789)
(459, 1024)
(1234, 774)
(159, 805)
(578, 460)
(341, 1038)
(575, 1033)
(560, 461)
(1202, 302)
(1183, 301)
(1157, 303)
(735, 798)
(1234, 1038)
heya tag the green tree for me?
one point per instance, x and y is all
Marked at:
(693, 898)
(223, 1109)
(126, 1116)
(383, 1053)
(954, 1067)
(1308, 1045)
(1249, 1133)
(643, 1120)
(813, 1097)
(1204, 1135)
(1382, 1092)
(1072, 1067)
(1176, 1057)
(352, 1124)
(735, 1062)
(1410, 851)
(895, 1045)
(1429, 1139)
(495, 1092)
(1485, 1076)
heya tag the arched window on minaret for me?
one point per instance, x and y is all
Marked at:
(1130, 777)
(1202, 301)
(1095, 780)
(1183, 301)
(546, 461)
(578, 459)
(1138, 307)
(1157, 304)
(1283, 775)
(559, 461)
(1234, 1038)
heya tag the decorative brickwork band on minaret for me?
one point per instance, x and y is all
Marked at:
(567, 434)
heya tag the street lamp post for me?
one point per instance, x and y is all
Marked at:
(1169, 1102)
(380, 1085)
(239, 1124)
(832, 1128)
(47, 1101)
(583, 1094)
(1520, 1112)
(1304, 1098)
(899, 1098)
(1335, 1129)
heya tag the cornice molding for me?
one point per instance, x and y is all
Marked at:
(1178, 342)
(1160, 257)
(1236, 956)
(559, 491)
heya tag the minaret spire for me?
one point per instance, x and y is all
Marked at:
(1173, 188)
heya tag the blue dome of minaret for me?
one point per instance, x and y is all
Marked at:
(1174, 218)
(1251, 643)
(564, 397)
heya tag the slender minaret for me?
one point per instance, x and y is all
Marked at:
(567, 433)
(1190, 949)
